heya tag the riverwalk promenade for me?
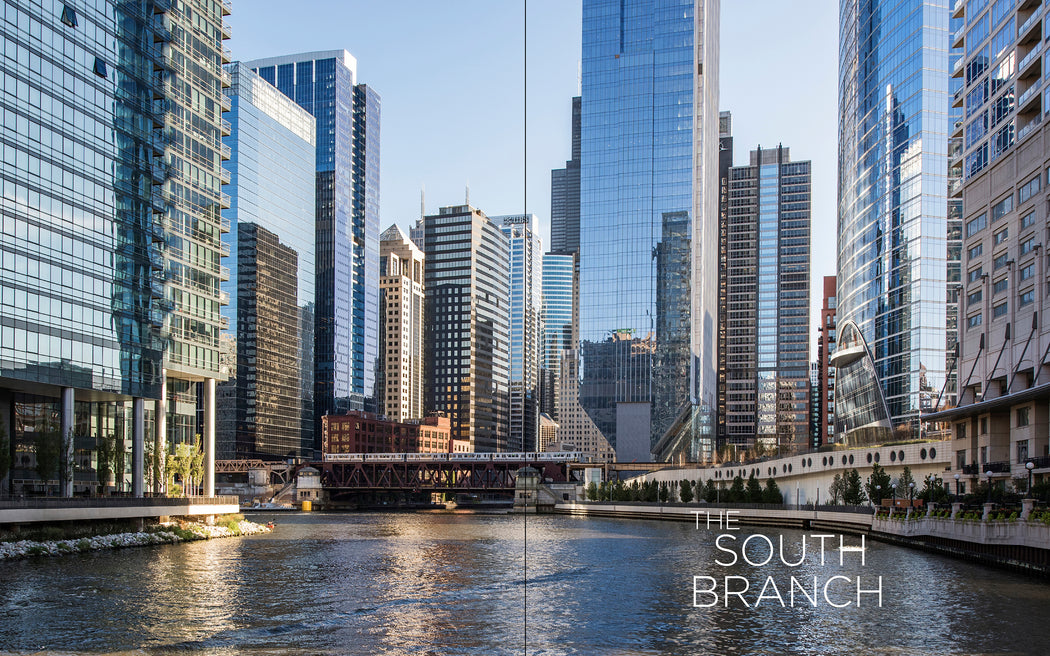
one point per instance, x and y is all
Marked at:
(1021, 543)
(34, 510)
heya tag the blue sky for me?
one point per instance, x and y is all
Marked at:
(476, 92)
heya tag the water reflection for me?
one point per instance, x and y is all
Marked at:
(443, 583)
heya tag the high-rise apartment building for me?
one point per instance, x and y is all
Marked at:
(346, 351)
(826, 336)
(271, 286)
(401, 334)
(1001, 151)
(526, 328)
(725, 162)
(565, 194)
(649, 225)
(767, 328)
(896, 228)
(112, 247)
(467, 354)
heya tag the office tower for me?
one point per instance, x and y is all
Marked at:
(467, 354)
(1001, 149)
(575, 426)
(565, 195)
(814, 404)
(826, 335)
(559, 328)
(725, 162)
(112, 270)
(767, 361)
(649, 226)
(526, 327)
(346, 351)
(271, 288)
(401, 344)
(895, 311)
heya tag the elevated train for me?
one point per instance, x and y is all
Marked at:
(553, 456)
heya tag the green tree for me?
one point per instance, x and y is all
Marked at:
(104, 454)
(736, 492)
(772, 492)
(665, 492)
(685, 490)
(197, 469)
(47, 447)
(878, 485)
(905, 483)
(933, 490)
(852, 492)
(754, 489)
(710, 493)
(635, 491)
(652, 491)
(836, 489)
(592, 489)
(120, 457)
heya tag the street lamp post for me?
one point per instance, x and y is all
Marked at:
(1029, 466)
(988, 475)
(894, 486)
(956, 487)
(878, 492)
(911, 490)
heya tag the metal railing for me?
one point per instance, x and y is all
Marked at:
(43, 503)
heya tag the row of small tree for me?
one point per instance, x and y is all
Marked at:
(686, 491)
(54, 462)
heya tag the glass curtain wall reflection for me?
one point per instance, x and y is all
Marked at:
(272, 174)
(649, 153)
(893, 236)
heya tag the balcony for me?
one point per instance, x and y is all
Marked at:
(1025, 68)
(1032, 93)
(227, 56)
(1001, 467)
(158, 231)
(161, 29)
(955, 188)
(224, 176)
(957, 129)
(957, 68)
(226, 153)
(161, 6)
(156, 288)
(224, 298)
(224, 273)
(224, 249)
(958, 37)
(1028, 129)
(227, 7)
(224, 225)
(159, 201)
(226, 33)
(1025, 33)
(957, 99)
(227, 79)
(225, 127)
(959, 9)
(224, 322)
(225, 102)
(224, 200)
(156, 260)
(955, 148)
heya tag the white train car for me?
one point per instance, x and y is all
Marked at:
(344, 457)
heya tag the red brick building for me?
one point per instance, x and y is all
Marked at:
(364, 432)
(825, 347)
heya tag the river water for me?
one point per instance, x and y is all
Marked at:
(461, 583)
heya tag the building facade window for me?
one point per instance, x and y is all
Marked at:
(1022, 417)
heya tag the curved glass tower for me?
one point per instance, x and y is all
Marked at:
(893, 238)
(649, 224)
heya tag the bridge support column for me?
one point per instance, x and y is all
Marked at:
(138, 444)
(160, 445)
(65, 463)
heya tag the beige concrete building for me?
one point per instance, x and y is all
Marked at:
(1000, 150)
(401, 301)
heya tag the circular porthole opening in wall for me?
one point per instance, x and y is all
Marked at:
(825, 461)
(810, 462)
(900, 456)
(922, 454)
(878, 456)
(869, 458)
(893, 456)
(851, 459)
(774, 471)
(843, 459)
(933, 453)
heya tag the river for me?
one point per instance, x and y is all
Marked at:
(456, 583)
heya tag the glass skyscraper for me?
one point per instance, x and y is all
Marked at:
(559, 282)
(271, 245)
(347, 212)
(565, 195)
(896, 295)
(649, 224)
(111, 229)
(526, 330)
(767, 292)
